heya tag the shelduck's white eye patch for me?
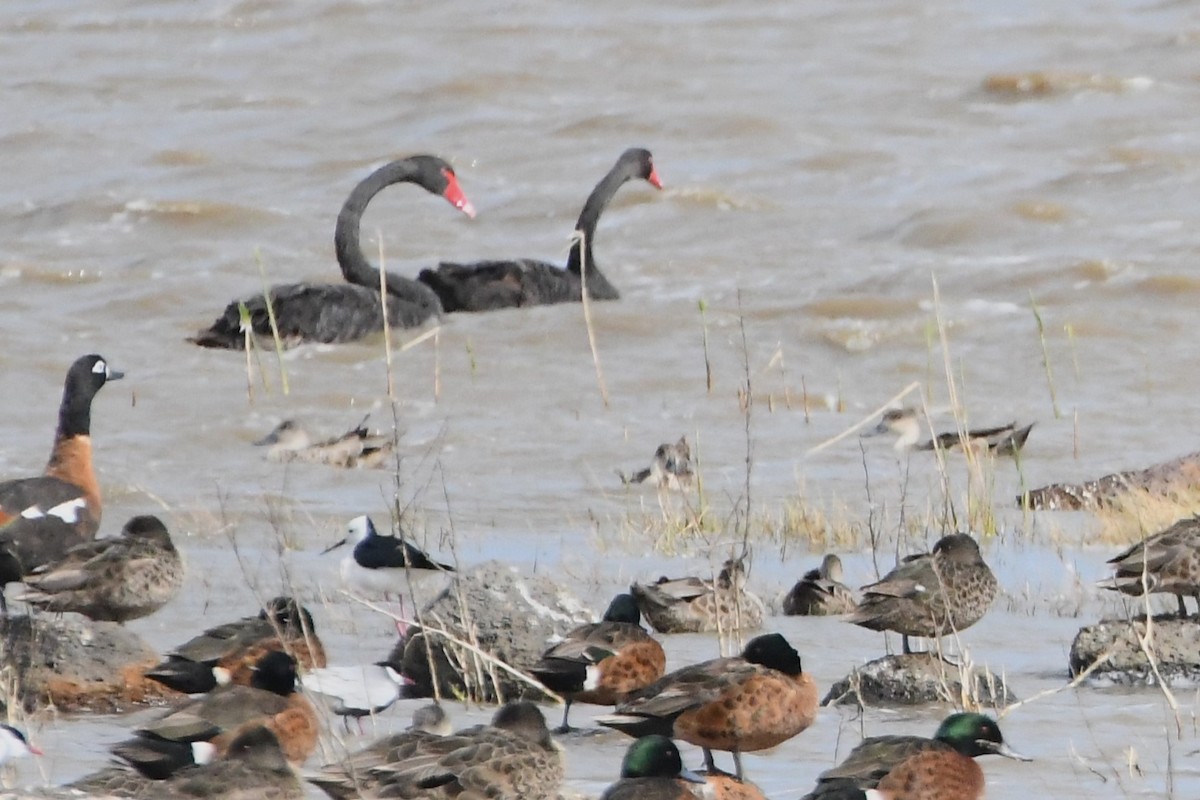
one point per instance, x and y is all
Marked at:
(100, 368)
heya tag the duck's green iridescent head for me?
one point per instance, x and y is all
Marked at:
(655, 757)
(975, 735)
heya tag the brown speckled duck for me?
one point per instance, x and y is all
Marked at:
(253, 767)
(514, 758)
(1170, 560)
(930, 594)
(115, 580)
(742, 704)
(357, 448)
(820, 592)
(602, 662)
(696, 605)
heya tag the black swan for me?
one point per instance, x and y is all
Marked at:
(344, 312)
(488, 285)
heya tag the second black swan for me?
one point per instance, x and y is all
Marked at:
(344, 312)
(488, 285)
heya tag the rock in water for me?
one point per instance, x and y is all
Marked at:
(1175, 643)
(915, 679)
(510, 616)
(75, 664)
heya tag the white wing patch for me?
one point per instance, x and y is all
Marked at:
(69, 511)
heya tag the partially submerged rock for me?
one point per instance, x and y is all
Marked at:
(74, 664)
(512, 617)
(1116, 643)
(917, 678)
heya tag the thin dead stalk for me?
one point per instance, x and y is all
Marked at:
(580, 238)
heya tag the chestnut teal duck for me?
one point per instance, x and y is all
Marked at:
(930, 594)
(876, 756)
(227, 653)
(746, 703)
(164, 746)
(602, 662)
(652, 769)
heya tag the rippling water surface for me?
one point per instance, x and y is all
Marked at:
(840, 177)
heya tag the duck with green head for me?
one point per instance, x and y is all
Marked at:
(907, 767)
(652, 770)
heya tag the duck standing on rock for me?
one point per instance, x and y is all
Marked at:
(1168, 561)
(113, 580)
(742, 704)
(44, 516)
(602, 662)
(930, 594)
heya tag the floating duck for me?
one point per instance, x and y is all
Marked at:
(670, 469)
(750, 702)
(820, 592)
(1002, 440)
(1168, 561)
(164, 746)
(253, 766)
(227, 653)
(652, 770)
(357, 448)
(876, 757)
(930, 594)
(696, 605)
(115, 580)
(44, 516)
(602, 662)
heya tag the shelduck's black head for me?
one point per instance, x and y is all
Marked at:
(275, 672)
(85, 377)
(773, 651)
(623, 608)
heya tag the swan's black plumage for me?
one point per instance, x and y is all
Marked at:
(488, 285)
(344, 312)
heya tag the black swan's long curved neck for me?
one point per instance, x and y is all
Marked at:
(356, 268)
(590, 216)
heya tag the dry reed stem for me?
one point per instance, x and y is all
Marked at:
(262, 274)
(580, 238)
(468, 646)
(383, 306)
(1041, 329)
(915, 385)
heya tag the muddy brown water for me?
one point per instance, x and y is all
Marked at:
(825, 162)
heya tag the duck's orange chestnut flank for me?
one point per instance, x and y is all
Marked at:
(750, 702)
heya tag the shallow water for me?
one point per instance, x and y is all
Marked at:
(824, 162)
